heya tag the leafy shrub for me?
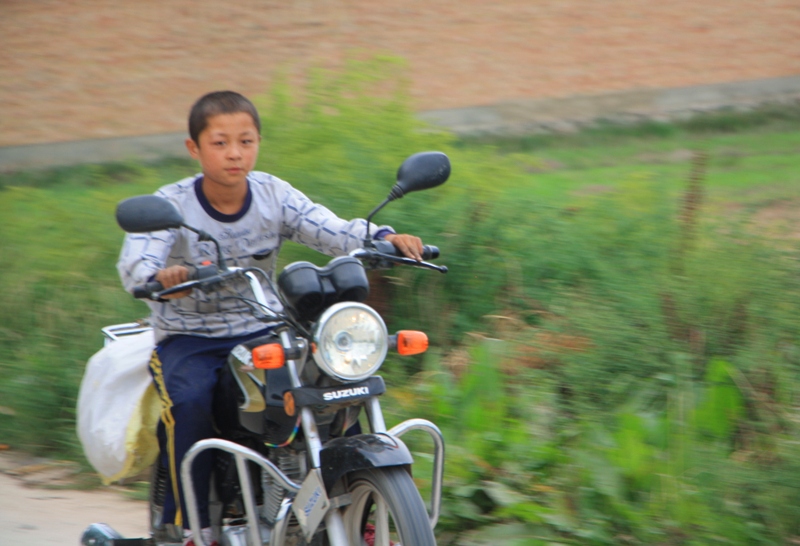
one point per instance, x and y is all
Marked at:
(640, 405)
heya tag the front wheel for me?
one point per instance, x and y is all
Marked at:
(386, 510)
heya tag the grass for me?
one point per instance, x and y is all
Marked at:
(763, 154)
(614, 350)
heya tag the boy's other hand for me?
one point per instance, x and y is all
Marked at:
(171, 276)
(409, 245)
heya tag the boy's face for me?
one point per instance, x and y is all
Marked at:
(227, 149)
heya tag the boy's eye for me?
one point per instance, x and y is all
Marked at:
(219, 143)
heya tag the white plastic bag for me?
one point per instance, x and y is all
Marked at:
(118, 408)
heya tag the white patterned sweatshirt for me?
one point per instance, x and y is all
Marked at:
(273, 212)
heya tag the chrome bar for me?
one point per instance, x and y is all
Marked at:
(281, 522)
(438, 460)
(241, 454)
(249, 501)
(335, 527)
(115, 331)
(312, 436)
(375, 415)
(258, 290)
(291, 365)
(307, 420)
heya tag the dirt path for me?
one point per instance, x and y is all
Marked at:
(41, 516)
(36, 516)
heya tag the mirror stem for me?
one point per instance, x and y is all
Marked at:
(368, 240)
(203, 236)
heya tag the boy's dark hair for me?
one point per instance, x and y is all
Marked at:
(215, 103)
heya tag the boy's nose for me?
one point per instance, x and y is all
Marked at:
(234, 152)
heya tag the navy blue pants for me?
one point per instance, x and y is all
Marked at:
(186, 370)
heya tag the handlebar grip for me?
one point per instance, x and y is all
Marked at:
(430, 252)
(144, 291)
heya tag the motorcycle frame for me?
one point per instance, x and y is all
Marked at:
(333, 518)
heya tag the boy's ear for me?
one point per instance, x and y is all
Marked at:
(194, 149)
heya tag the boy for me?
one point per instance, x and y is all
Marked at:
(251, 214)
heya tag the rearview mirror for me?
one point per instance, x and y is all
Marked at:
(146, 213)
(421, 171)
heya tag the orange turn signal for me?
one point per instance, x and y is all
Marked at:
(268, 357)
(411, 342)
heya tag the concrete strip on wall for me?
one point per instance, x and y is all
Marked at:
(568, 113)
(103, 150)
(515, 117)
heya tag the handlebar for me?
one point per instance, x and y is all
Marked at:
(383, 255)
(380, 255)
(429, 252)
(144, 291)
(154, 290)
(204, 274)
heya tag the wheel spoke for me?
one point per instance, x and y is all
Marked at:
(381, 522)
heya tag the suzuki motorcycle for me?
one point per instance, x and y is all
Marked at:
(292, 466)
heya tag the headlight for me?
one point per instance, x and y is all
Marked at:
(351, 341)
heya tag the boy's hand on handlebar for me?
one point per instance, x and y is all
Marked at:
(171, 276)
(409, 245)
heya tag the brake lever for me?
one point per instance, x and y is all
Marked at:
(188, 285)
(407, 261)
(421, 264)
(207, 282)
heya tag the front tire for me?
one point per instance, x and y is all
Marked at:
(387, 501)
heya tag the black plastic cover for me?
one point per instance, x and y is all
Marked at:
(309, 289)
(341, 456)
(342, 394)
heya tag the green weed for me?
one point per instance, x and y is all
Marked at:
(614, 355)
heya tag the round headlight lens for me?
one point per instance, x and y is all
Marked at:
(351, 341)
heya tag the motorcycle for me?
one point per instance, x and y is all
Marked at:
(292, 466)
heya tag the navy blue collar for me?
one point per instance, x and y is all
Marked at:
(214, 213)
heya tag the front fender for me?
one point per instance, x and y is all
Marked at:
(343, 455)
